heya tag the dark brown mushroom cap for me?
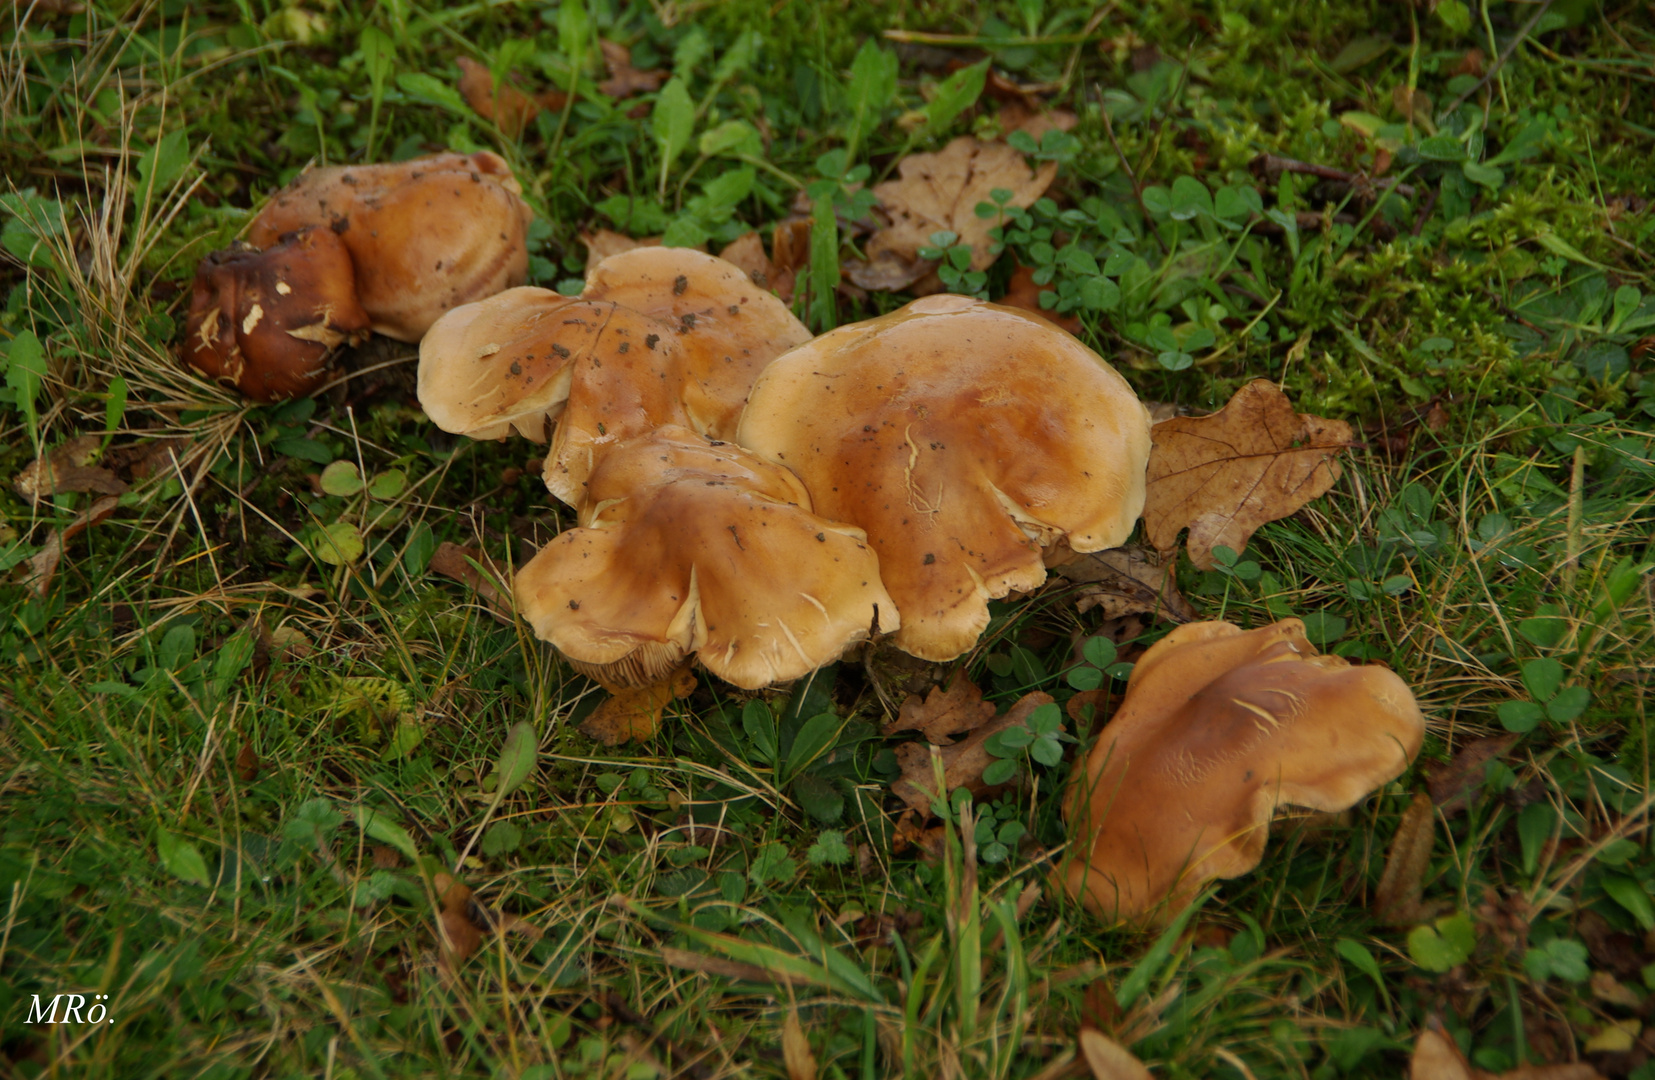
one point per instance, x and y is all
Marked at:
(963, 437)
(265, 322)
(424, 235)
(692, 546)
(729, 327)
(1219, 727)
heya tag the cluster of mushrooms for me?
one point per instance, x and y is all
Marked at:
(759, 500)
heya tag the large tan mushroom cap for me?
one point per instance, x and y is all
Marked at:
(1219, 727)
(425, 235)
(730, 327)
(265, 322)
(691, 546)
(963, 437)
(527, 357)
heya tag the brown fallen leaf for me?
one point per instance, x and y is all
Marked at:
(1020, 116)
(67, 468)
(1452, 784)
(1108, 1059)
(606, 242)
(963, 762)
(939, 192)
(385, 857)
(463, 919)
(634, 714)
(1224, 475)
(1613, 950)
(912, 833)
(44, 563)
(747, 253)
(624, 79)
(510, 109)
(1022, 293)
(801, 1063)
(1124, 581)
(1397, 899)
(453, 561)
(778, 271)
(248, 762)
(1436, 1057)
(944, 713)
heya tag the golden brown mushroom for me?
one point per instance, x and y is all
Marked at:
(730, 327)
(1219, 727)
(425, 235)
(265, 322)
(692, 546)
(964, 438)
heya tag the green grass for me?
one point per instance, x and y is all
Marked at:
(199, 714)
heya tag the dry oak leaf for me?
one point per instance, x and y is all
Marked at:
(1108, 1059)
(1437, 1058)
(939, 192)
(778, 271)
(801, 1063)
(67, 468)
(963, 762)
(1255, 460)
(943, 713)
(1123, 581)
(624, 79)
(634, 713)
(1018, 116)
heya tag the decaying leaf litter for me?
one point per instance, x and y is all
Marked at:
(1543, 883)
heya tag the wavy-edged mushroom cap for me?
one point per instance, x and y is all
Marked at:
(963, 437)
(692, 546)
(265, 322)
(425, 235)
(730, 328)
(527, 357)
(1219, 727)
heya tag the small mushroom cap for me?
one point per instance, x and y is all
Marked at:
(527, 357)
(730, 327)
(425, 235)
(1219, 727)
(963, 437)
(266, 322)
(693, 546)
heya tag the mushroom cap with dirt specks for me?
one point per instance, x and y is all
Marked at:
(266, 321)
(964, 438)
(528, 357)
(424, 236)
(687, 545)
(1218, 728)
(730, 328)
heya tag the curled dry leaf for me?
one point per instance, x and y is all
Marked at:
(1024, 294)
(606, 242)
(634, 713)
(510, 109)
(1125, 581)
(939, 192)
(462, 919)
(44, 563)
(963, 762)
(67, 468)
(801, 1063)
(624, 79)
(1224, 475)
(453, 561)
(943, 713)
(1453, 783)
(1397, 900)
